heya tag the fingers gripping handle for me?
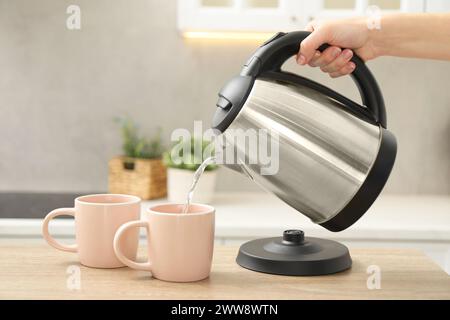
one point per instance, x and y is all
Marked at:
(50, 240)
(274, 53)
(146, 266)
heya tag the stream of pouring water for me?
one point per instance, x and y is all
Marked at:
(195, 180)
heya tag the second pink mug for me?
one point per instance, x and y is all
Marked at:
(180, 245)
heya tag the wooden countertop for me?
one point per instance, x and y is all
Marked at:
(40, 272)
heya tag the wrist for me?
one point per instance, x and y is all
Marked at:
(394, 34)
(376, 40)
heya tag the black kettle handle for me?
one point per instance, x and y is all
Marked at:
(275, 51)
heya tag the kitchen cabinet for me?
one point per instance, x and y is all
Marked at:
(285, 15)
(437, 6)
(239, 15)
(346, 8)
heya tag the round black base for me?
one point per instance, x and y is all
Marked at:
(294, 255)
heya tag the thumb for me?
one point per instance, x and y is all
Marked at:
(309, 46)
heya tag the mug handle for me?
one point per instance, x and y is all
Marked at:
(50, 240)
(146, 266)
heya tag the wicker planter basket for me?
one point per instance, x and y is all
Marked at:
(145, 178)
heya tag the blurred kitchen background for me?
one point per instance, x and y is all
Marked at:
(162, 63)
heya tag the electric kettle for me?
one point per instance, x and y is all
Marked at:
(335, 155)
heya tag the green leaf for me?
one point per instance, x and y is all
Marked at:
(190, 161)
(135, 146)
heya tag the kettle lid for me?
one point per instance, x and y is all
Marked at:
(231, 99)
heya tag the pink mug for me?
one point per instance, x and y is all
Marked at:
(97, 218)
(180, 245)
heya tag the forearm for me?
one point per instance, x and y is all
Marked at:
(413, 35)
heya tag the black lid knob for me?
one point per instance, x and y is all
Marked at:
(294, 236)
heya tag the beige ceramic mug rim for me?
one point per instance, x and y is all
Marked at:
(131, 199)
(208, 210)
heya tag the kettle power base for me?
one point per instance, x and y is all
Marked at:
(294, 255)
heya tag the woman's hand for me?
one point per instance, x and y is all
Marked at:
(419, 35)
(349, 34)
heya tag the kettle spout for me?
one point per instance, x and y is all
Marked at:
(240, 168)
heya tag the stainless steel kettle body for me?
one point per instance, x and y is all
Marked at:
(334, 155)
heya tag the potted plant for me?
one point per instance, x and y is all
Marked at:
(182, 161)
(140, 170)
